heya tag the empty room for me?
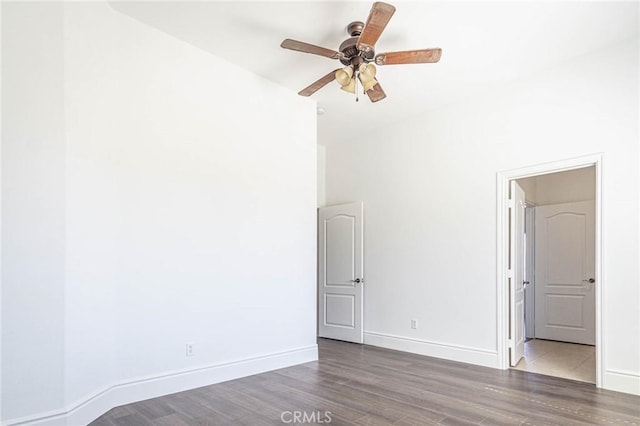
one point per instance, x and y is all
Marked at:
(332, 212)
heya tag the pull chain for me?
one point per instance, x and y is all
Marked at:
(356, 79)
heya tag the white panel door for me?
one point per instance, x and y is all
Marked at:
(565, 271)
(516, 273)
(340, 272)
(529, 277)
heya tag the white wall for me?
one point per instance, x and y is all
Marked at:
(322, 159)
(530, 188)
(0, 211)
(33, 209)
(430, 215)
(562, 187)
(156, 195)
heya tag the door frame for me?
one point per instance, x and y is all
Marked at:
(502, 227)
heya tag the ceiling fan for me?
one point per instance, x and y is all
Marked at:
(358, 54)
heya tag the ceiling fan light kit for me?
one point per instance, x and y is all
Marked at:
(350, 87)
(366, 75)
(344, 75)
(358, 51)
(368, 71)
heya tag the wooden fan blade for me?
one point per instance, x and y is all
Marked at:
(319, 84)
(376, 93)
(310, 48)
(378, 19)
(422, 56)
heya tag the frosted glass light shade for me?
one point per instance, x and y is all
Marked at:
(367, 72)
(350, 86)
(343, 76)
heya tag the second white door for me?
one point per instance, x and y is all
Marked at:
(340, 272)
(565, 272)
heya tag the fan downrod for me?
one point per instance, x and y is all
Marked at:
(355, 28)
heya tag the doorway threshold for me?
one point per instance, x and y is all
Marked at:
(560, 359)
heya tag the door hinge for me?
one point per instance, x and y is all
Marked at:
(510, 343)
(511, 203)
(510, 273)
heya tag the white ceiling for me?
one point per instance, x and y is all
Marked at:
(484, 44)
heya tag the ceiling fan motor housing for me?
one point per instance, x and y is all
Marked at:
(352, 56)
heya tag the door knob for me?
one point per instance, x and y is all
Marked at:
(586, 284)
(525, 284)
(357, 280)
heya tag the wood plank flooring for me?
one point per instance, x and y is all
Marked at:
(364, 385)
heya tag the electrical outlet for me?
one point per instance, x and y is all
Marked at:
(414, 324)
(190, 349)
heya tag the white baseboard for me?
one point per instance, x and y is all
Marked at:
(93, 406)
(483, 357)
(622, 381)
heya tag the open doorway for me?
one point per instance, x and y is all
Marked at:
(559, 274)
(557, 207)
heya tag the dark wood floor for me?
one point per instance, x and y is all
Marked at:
(367, 385)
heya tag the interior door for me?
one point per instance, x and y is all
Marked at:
(516, 273)
(340, 272)
(529, 277)
(565, 271)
